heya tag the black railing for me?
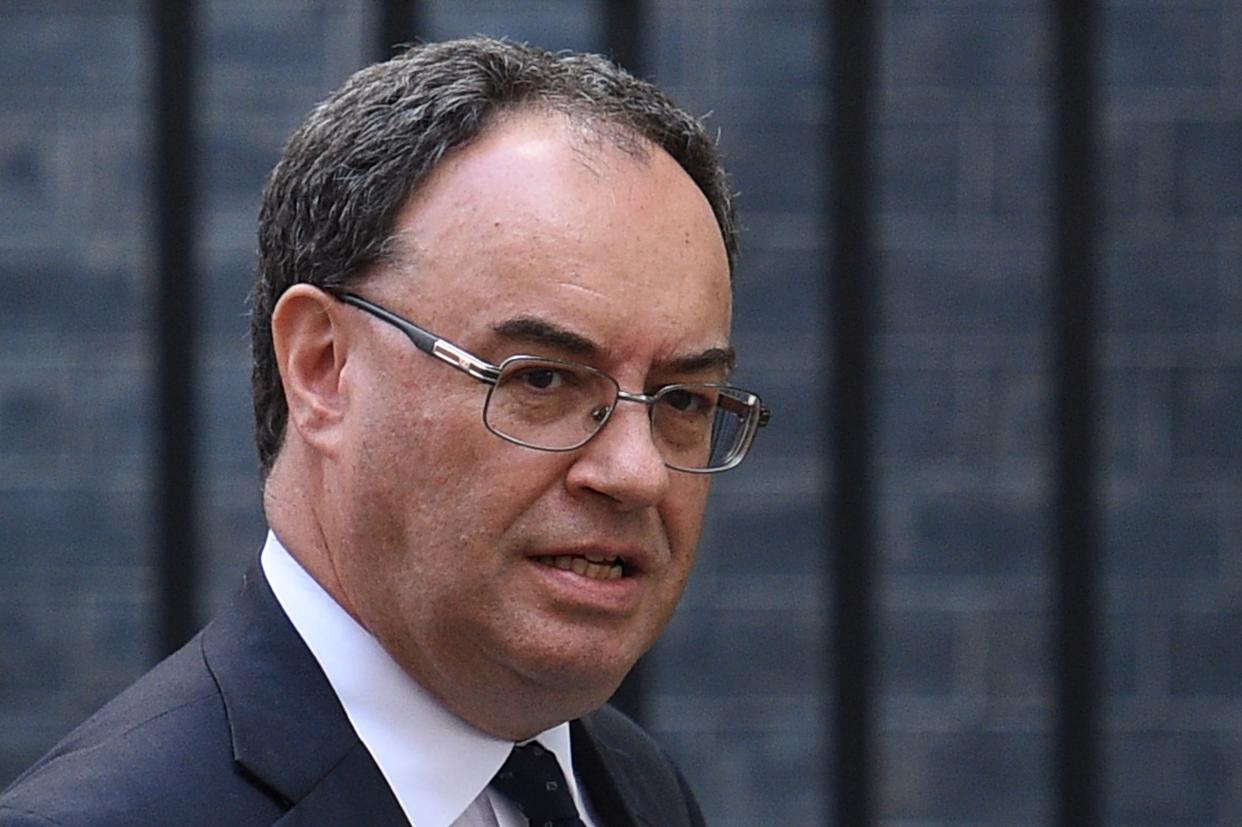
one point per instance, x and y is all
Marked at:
(176, 347)
(398, 25)
(1074, 478)
(852, 278)
(623, 32)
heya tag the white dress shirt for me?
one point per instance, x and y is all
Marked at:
(437, 765)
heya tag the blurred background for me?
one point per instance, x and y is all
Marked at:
(985, 566)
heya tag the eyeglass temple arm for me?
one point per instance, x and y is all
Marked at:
(739, 407)
(467, 363)
(428, 342)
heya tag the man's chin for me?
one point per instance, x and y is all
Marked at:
(595, 681)
(575, 687)
(523, 714)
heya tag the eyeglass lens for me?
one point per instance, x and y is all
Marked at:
(559, 406)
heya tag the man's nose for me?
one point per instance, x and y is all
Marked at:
(622, 461)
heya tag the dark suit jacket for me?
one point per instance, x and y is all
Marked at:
(240, 727)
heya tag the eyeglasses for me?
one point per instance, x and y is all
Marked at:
(554, 405)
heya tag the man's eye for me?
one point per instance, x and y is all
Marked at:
(542, 379)
(687, 401)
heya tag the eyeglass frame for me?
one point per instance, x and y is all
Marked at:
(489, 374)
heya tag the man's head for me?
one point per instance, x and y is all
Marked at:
(329, 206)
(517, 585)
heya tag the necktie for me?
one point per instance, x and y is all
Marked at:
(532, 779)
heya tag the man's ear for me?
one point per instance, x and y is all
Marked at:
(311, 348)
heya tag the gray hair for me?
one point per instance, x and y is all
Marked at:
(330, 203)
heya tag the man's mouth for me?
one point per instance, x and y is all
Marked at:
(592, 566)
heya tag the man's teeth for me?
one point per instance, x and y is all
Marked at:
(596, 568)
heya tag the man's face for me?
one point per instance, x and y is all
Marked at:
(537, 240)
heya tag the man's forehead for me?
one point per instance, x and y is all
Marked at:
(516, 230)
(517, 158)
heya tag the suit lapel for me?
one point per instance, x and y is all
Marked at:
(288, 729)
(611, 799)
(353, 792)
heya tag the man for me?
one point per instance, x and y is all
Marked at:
(491, 332)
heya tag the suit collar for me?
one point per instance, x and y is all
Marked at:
(288, 730)
(615, 803)
(291, 735)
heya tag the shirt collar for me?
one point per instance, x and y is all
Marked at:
(435, 762)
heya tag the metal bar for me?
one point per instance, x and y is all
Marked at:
(1075, 528)
(176, 550)
(623, 25)
(398, 25)
(852, 379)
(623, 44)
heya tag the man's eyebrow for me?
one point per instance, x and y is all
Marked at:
(715, 357)
(540, 332)
(537, 331)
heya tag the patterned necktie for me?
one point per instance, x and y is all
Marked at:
(531, 777)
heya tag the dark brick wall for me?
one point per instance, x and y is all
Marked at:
(1172, 350)
(75, 367)
(965, 728)
(738, 686)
